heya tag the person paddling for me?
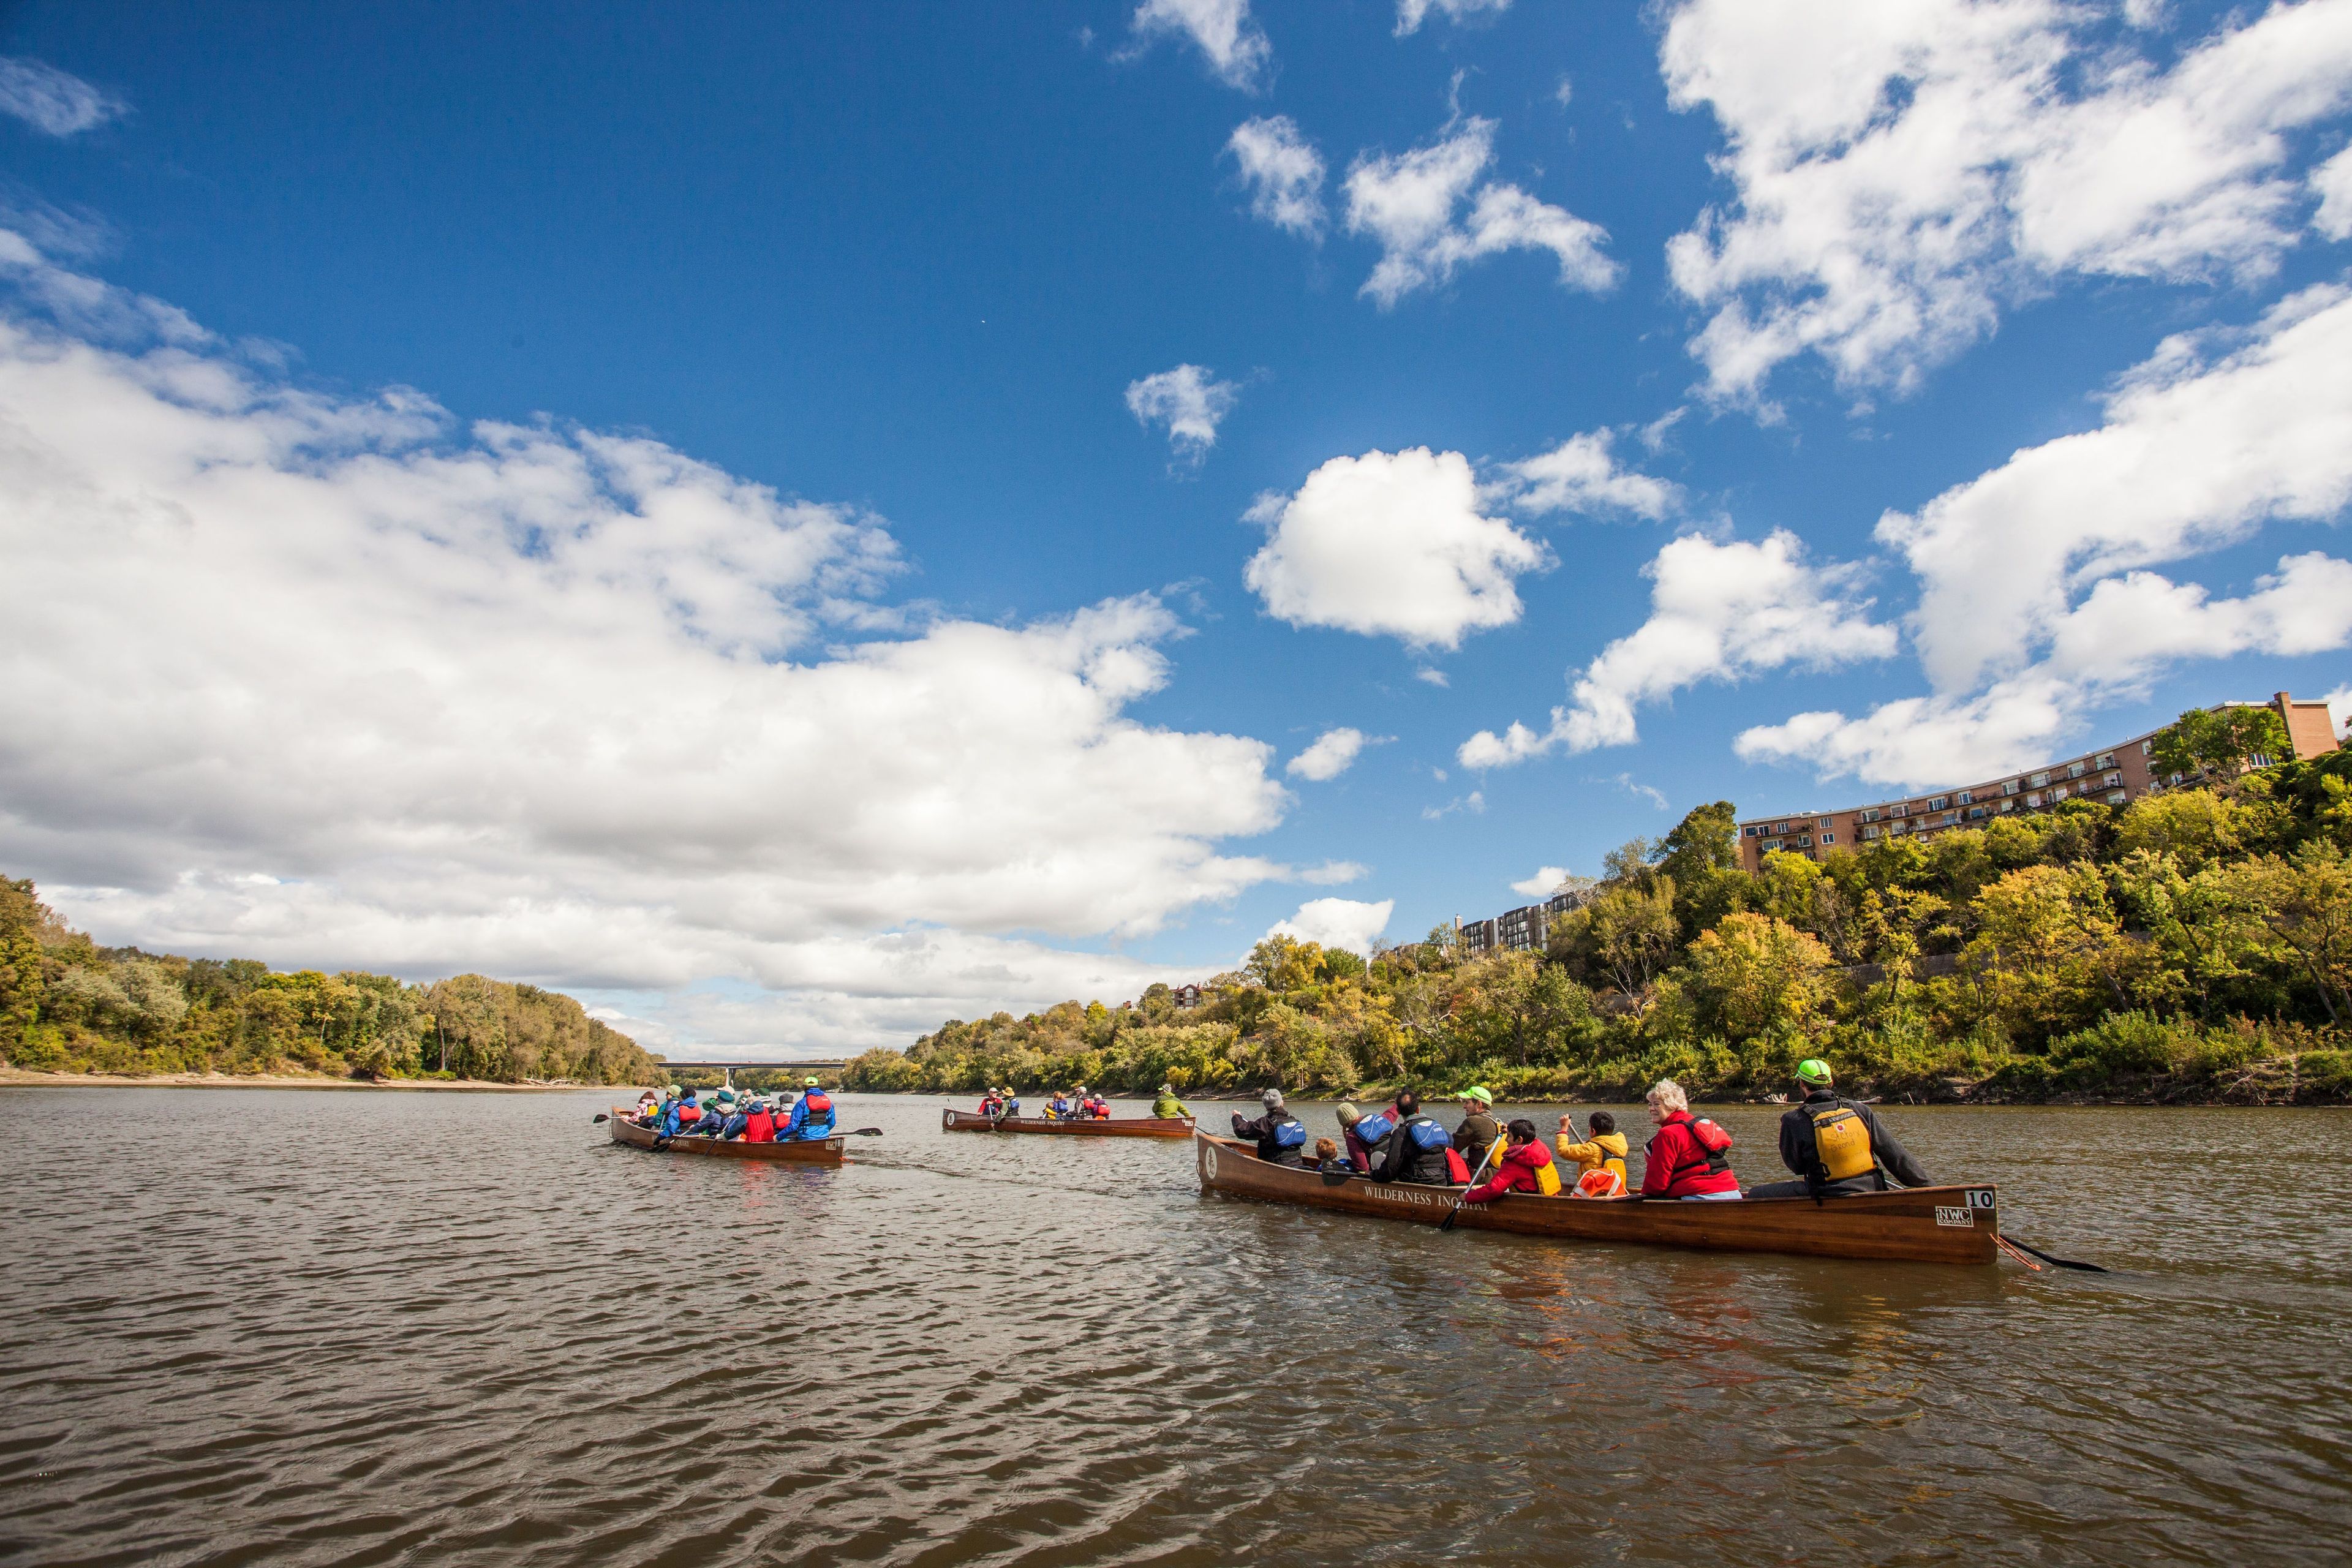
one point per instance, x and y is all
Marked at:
(812, 1118)
(760, 1126)
(1837, 1147)
(1168, 1107)
(1419, 1148)
(1527, 1168)
(1281, 1137)
(1599, 1160)
(1691, 1156)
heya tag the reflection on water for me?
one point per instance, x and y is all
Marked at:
(374, 1328)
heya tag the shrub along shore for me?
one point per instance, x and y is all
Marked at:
(71, 1006)
(2193, 947)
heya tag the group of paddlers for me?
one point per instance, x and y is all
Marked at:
(784, 1117)
(1834, 1146)
(1071, 1105)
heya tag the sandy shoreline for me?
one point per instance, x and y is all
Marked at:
(22, 1077)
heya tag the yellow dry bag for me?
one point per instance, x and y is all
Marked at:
(1842, 1143)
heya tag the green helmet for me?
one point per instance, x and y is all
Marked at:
(1816, 1072)
(811, 1082)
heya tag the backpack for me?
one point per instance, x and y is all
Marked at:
(1290, 1134)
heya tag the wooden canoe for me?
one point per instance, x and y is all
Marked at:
(808, 1152)
(1922, 1224)
(1117, 1127)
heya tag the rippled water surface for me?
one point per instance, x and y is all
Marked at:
(341, 1327)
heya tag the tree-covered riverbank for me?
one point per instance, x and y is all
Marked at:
(2194, 946)
(69, 1006)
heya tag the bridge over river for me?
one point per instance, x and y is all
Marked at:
(813, 1067)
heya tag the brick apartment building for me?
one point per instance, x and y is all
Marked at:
(2114, 775)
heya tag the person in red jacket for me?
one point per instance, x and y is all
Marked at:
(760, 1127)
(1527, 1168)
(1690, 1157)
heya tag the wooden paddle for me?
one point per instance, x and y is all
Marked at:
(1454, 1213)
(2055, 1262)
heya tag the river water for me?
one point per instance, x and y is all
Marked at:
(360, 1328)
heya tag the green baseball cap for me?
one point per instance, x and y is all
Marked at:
(1812, 1069)
(812, 1082)
(1480, 1093)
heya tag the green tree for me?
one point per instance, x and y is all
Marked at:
(2218, 745)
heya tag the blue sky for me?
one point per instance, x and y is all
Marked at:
(2061, 290)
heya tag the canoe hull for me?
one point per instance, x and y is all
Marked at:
(1920, 1224)
(1129, 1127)
(812, 1152)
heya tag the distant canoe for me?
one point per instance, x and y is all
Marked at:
(1116, 1127)
(801, 1152)
(1922, 1224)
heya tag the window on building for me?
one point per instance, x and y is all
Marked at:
(2116, 778)
(2012, 787)
(1898, 811)
(2118, 797)
(2148, 748)
(2037, 780)
(2033, 800)
(1974, 812)
(1965, 796)
(2076, 769)
(1806, 842)
(1826, 822)
(1870, 833)
(2107, 759)
(2058, 794)
(2008, 806)
(1829, 837)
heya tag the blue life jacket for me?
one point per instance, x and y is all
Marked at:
(1374, 1128)
(1290, 1134)
(1427, 1133)
(813, 1116)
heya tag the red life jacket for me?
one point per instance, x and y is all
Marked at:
(819, 1103)
(686, 1113)
(760, 1127)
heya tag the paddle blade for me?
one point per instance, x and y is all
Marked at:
(598, 1118)
(865, 1133)
(2055, 1262)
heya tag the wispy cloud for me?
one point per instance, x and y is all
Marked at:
(52, 102)
(1282, 172)
(1189, 403)
(1227, 36)
(1333, 753)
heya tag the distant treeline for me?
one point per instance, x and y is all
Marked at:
(67, 1005)
(2195, 944)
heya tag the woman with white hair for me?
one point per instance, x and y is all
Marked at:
(1691, 1156)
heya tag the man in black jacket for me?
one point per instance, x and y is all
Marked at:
(1417, 1149)
(1281, 1137)
(1826, 1129)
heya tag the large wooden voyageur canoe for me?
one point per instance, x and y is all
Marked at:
(804, 1152)
(1923, 1225)
(1117, 1127)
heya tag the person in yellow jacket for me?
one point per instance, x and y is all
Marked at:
(1599, 1159)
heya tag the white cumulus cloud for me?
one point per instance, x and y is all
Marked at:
(1391, 545)
(1543, 884)
(1717, 612)
(50, 100)
(1332, 753)
(1189, 403)
(1338, 922)
(331, 680)
(1282, 172)
(1901, 172)
(1412, 204)
(2037, 601)
(1581, 475)
(2332, 183)
(1227, 36)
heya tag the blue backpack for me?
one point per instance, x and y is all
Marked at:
(1427, 1134)
(1290, 1134)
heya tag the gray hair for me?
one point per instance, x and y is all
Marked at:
(1272, 1098)
(1667, 1095)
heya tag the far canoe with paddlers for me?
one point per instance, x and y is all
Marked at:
(1923, 1225)
(796, 1151)
(1075, 1126)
